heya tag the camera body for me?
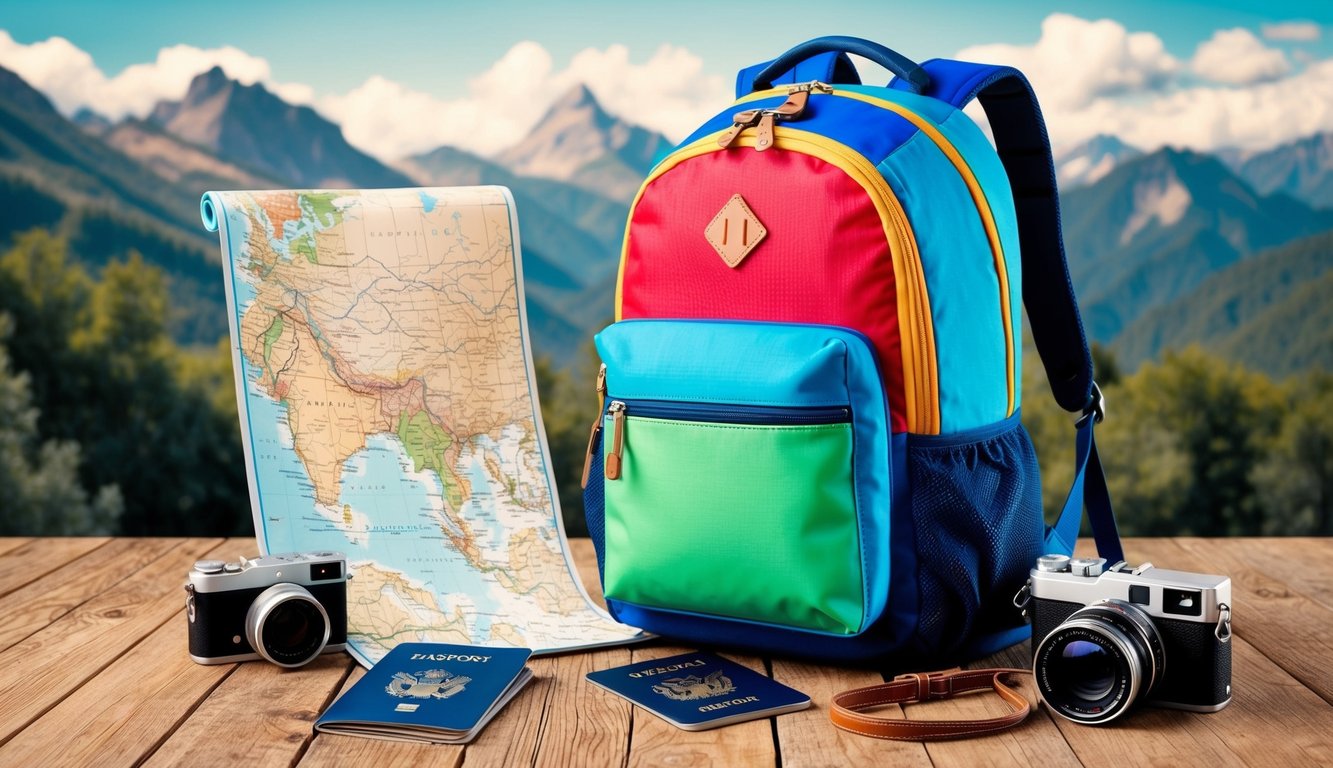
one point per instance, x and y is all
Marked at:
(1106, 638)
(285, 608)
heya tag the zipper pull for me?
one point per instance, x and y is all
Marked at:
(814, 86)
(613, 457)
(596, 423)
(742, 120)
(763, 136)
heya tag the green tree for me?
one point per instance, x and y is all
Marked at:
(39, 480)
(568, 410)
(1294, 481)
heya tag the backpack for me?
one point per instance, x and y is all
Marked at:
(809, 439)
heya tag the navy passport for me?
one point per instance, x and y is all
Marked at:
(429, 692)
(697, 691)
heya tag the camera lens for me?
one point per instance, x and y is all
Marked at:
(287, 626)
(1100, 661)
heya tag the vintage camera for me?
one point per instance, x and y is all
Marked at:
(286, 608)
(1105, 639)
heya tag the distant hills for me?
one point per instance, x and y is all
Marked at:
(1155, 227)
(1166, 248)
(1271, 312)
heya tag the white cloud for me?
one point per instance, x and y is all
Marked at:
(1096, 78)
(1298, 31)
(1237, 57)
(669, 92)
(70, 78)
(1076, 60)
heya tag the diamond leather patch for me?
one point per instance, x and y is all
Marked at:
(735, 231)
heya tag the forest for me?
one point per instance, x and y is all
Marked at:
(108, 426)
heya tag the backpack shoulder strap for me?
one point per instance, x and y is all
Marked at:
(1020, 137)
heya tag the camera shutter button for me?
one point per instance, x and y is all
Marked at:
(232, 568)
(209, 566)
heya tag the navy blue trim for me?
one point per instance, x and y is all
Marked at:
(831, 67)
(966, 437)
(913, 77)
(723, 413)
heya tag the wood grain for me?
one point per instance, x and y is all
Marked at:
(8, 543)
(807, 738)
(38, 672)
(108, 682)
(329, 750)
(35, 605)
(655, 742)
(261, 715)
(121, 715)
(582, 724)
(1273, 615)
(35, 558)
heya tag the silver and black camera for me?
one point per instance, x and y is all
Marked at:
(286, 608)
(1104, 639)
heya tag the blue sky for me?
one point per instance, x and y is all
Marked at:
(479, 74)
(432, 46)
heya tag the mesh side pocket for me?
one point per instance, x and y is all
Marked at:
(976, 507)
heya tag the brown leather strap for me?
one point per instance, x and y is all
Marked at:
(847, 707)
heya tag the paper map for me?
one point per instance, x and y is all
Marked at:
(388, 410)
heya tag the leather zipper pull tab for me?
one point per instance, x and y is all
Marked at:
(614, 457)
(742, 120)
(763, 137)
(596, 424)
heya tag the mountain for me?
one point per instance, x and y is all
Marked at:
(252, 128)
(178, 162)
(579, 142)
(1302, 169)
(56, 176)
(1089, 162)
(1157, 226)
(1270, 311)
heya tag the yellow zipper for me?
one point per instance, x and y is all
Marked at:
(973, 188)
(917, 335)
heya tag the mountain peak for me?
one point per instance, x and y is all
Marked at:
(15, 90)
(579, 141)
(579, 95)
(254, 128)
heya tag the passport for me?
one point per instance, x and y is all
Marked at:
(697, 691)
(429, 692)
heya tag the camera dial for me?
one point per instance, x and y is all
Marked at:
(287, 625)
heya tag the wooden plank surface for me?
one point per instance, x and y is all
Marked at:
(38, 603)
(39, 671)
(123, 713)
(93, 671)
(35, 558)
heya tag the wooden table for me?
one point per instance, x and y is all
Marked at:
(94, 670)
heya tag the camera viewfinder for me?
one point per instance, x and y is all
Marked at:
(1182, 602)
(326, 571)
(1138, 593)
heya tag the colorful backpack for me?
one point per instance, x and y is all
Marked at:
(809, 441)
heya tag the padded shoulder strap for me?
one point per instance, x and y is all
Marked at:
(1020, 137)
(825, 67)
(1048, 294)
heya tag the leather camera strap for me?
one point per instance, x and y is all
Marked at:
(847, 708)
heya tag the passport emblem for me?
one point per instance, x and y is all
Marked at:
(693, 687)
(431, 684)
